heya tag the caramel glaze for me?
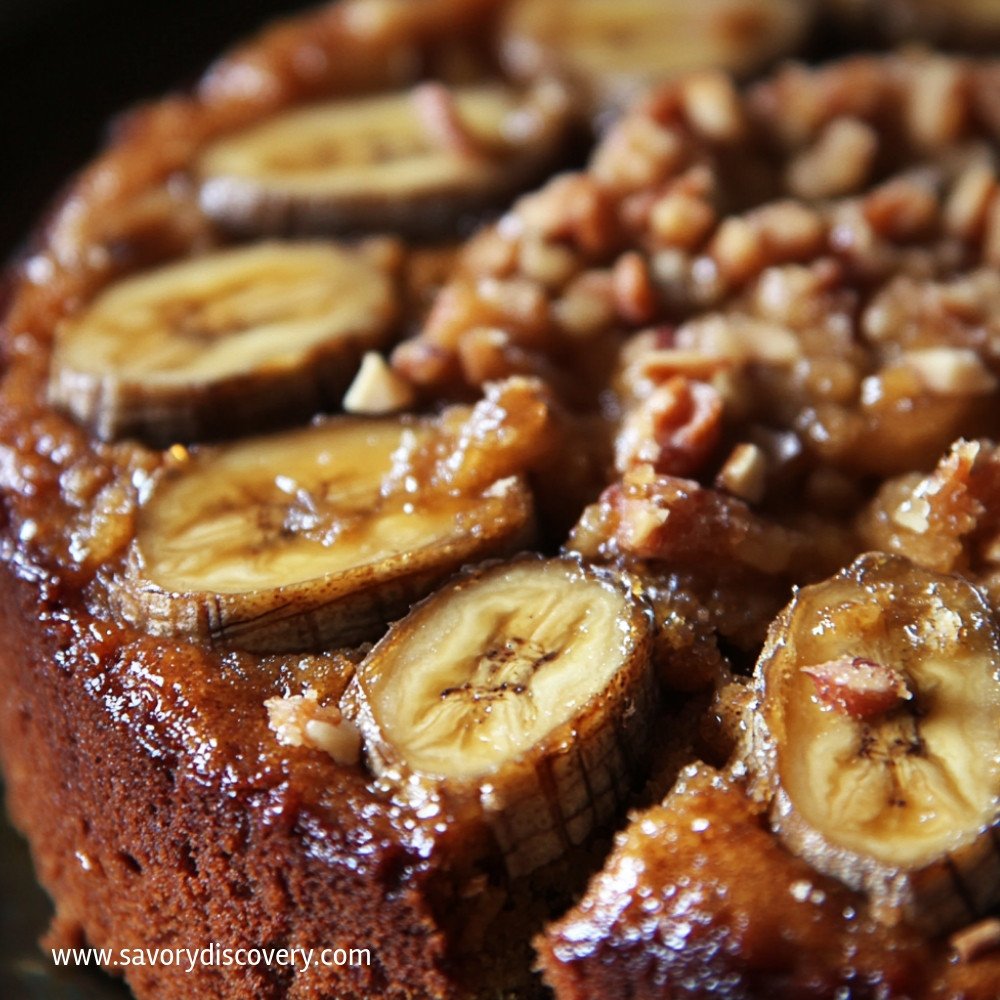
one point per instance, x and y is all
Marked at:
(699, 899)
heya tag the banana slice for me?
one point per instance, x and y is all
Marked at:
(615, 48)
(413, 162)
(224, 343)
(521, 695)
(289, 542)
(876, 739)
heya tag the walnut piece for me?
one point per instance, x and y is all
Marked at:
(301, 721)
(858, 687)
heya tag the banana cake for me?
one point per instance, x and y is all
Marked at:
(544, 579)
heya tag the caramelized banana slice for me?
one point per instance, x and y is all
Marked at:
(411, 162)
(615, 48)
(522, 694)
(876, 739)
(226, 342)
(289, 542)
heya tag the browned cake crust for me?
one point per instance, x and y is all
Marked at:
(155, 824)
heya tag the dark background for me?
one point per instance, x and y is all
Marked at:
(68, 66)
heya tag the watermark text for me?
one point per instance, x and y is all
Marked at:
(212, 956)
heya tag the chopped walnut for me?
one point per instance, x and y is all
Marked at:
(675, 429)
(456, 308)
(712, 106)
(967, 205)
(680, 220)
(572, 207)
(737, 564)
(639, 525)
(377, 388)
(838, 163)
(737, 249)
(487, 353)
(789, 230)
(951, 371)
(664, 517)
(740, 339)
(959, 314)
(301, 721)
(945, 521)
(657, 366)
(937, 107)
(860, 688)
(744, 473)
(913, 514)
(550, 264)
(635, 297)
(587, 307)
(902, 209)
(638, 153)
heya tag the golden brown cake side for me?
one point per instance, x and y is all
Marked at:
(140, 851)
